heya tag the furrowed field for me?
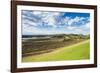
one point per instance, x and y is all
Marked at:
(56, 49)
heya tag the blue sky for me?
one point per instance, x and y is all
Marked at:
(50, 22)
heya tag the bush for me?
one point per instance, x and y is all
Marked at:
(66, 38)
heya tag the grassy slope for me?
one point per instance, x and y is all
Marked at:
(75, 52)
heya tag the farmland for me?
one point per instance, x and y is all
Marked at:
(55, 47)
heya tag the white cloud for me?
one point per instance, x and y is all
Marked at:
(66, 20)
(76, 19)
(87, 25)
(54, 19)
(83, 29)
(26, 29)
(37, 13)
(46, 17)
(49, 19)
(29, 23)
(71, 28)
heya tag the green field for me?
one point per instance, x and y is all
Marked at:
(76, 51)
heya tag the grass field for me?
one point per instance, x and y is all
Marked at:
(76, 51)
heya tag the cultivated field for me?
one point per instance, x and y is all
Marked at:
(77, 51)
(55, 49)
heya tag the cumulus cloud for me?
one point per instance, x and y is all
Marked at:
(52, 22)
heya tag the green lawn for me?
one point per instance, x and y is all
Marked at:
(77, 51)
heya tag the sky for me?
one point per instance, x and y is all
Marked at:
(50, 22)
